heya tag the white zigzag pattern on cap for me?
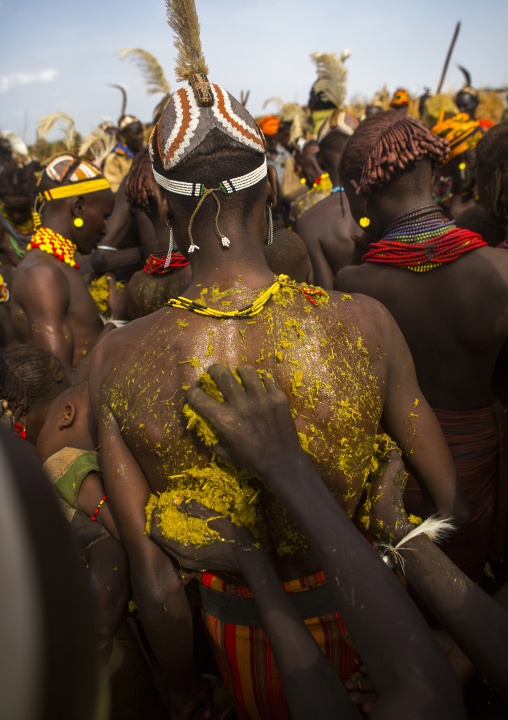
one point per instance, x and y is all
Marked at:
(229, 127)
(195, 114)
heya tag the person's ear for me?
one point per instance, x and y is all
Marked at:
(271, 186)
(164, 205)
(68, 417)
(57, 371)
(78, 206)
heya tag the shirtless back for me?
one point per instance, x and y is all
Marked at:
(454, 320)
(327, 227)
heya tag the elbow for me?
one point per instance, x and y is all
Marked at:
(99, 263)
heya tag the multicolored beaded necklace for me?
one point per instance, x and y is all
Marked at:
(421, 240)
(51, 242)
(155, 265)
(254, 308)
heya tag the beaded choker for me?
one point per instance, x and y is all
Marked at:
(156, 265)
(422, 240)
(51, 242)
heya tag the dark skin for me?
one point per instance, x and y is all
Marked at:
(50, 303)
(454, 319)
(138, 406)
(122, 230)
(257, 432)
(68, 424)
(146, 292)
(133, 136)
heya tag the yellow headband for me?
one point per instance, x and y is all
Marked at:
(80, 188)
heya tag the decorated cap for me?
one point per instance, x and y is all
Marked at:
(193, 113)
(400, 98)
(341, 121)
(460, 131)
(71, 176)
(127, 120)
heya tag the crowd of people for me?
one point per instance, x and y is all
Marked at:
(258, 371)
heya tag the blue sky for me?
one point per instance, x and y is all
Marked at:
(60, 54)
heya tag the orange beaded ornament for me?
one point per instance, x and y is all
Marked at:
(51, 242)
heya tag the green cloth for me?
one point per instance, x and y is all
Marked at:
(67, 469)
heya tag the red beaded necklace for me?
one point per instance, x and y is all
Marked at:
(155, 265)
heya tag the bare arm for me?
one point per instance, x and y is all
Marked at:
(157, 589)
(477, 622)
(311, 687)
(42, 292)
(323, 275)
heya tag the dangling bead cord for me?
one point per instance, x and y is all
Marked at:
(96, 511)
(170, 249)
(51, 242)
(207, 191)
(270, 226)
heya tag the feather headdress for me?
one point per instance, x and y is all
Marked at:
(99, 143)
(124, 97)
(183, 20)
(295, 114)
(332, 76)
(47, 122)
(152, 71)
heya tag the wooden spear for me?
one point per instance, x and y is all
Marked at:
(448, 57)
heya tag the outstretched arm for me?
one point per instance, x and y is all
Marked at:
(401, 656)
(477, 622)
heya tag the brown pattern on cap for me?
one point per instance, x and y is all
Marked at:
(186, 118)
(222, 107)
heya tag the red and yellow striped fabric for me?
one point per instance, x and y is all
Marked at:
(245, 659)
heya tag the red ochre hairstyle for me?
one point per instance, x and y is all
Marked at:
(385, 145)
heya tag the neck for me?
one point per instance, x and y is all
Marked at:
(241, 264)
(58, 224)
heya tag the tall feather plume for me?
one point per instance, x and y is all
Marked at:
(99, 143)
(467, 75)
(124, 97)
(47, 122)
(276, 100)
(295, 114)
(332, 76)
(183, 20)
(152, 72)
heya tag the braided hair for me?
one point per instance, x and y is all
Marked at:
(25, 375)
(139, 182)
(385, 145)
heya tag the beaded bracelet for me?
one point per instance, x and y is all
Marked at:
(96, 511)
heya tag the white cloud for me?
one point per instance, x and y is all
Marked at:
(21, 78)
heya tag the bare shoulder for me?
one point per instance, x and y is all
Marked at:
(370, 316)
(313, 215)
(39, 279)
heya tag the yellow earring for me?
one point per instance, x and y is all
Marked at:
(364, 222)
(78, 222)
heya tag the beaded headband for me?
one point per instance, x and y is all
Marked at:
(226, 186)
